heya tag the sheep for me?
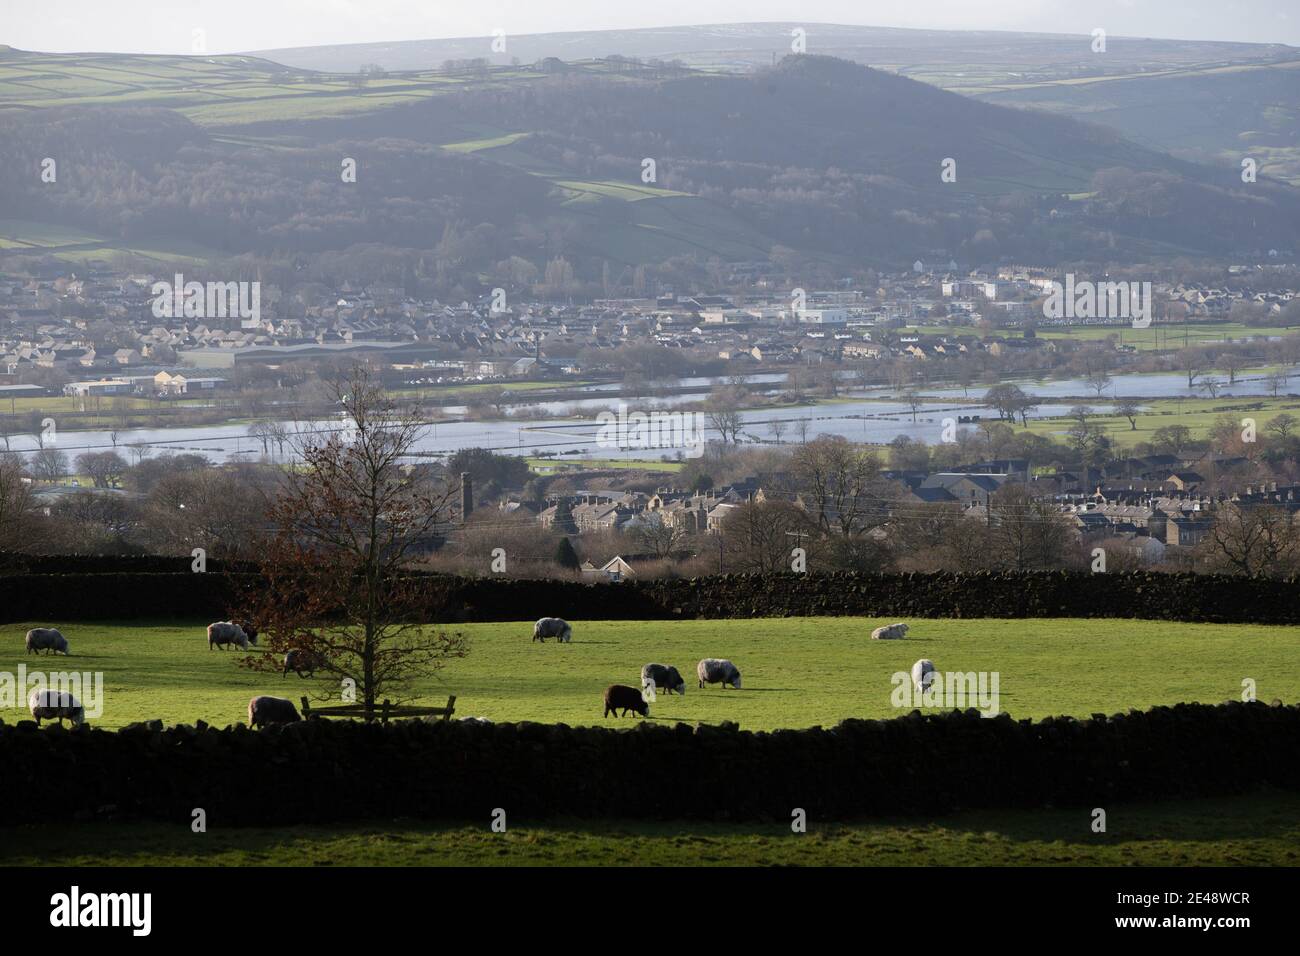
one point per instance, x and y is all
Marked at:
(479, 721)
(250, 630)
(271, 710)
(665, 677)
(713, 670)
(48, 704)
(891, 632)
(552, 627)
(222, 633)
(302, 662)
(46, 639)
(621, 697)
(923, 674)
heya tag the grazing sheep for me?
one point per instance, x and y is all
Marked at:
(50, 704)
(224, 632)
(552, 627)
(923, 674)
(622, 697)
(665, 676)
(302, 662)
(46, 639)
(891, 632)
(713, 670)
(271, 710)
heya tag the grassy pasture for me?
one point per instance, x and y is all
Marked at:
(1258, 830)
(798, 672)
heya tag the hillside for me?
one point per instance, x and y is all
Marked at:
(1202, 100)
(498, 171)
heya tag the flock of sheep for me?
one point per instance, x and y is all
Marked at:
(621, 698)
(49, 704)
(60, 705)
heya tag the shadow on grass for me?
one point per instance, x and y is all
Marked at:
(1255, 829)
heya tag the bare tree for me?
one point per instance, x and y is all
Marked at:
(104, 468)
(349, 524)
(723, 414)
(1129, 409)
(760, 536)
(1282, 425)
(1255, 541)
(914, 401)
(49, 464)
(17, 505)
(1026, 533)
(841, 484)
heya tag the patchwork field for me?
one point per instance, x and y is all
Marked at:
(797, 672)
(1258, 830)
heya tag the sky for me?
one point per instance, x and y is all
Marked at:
(166, 26)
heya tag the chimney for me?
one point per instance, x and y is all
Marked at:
(466, 496)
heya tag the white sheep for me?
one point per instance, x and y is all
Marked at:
(46, 639)
(554, 627)
(715, 670)
(923, 674)
(222, 633)
(49, 704)
(890, 632)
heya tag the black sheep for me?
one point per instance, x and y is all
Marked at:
(621, 697)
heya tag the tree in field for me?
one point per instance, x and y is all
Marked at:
(1171, 439)
(348, 524)
(49, 464)
(1099, 381)
(104, 468)
(723, 414)
(1129, 409)
(1282, 425)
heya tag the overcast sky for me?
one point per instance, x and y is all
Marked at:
(155, 26)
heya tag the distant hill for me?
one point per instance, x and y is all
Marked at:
(482, 172)
(924, 54)
(1201, 100)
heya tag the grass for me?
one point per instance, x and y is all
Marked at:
(1257, 830)
(1198, 414)
(1162, 336)
(798, 672)
(550, 465)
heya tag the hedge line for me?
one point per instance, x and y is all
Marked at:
(322, 771)
(1177, 597)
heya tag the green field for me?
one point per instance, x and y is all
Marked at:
(1257, 830)
(1197, 414)
(798, 672)
(1160, 336)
